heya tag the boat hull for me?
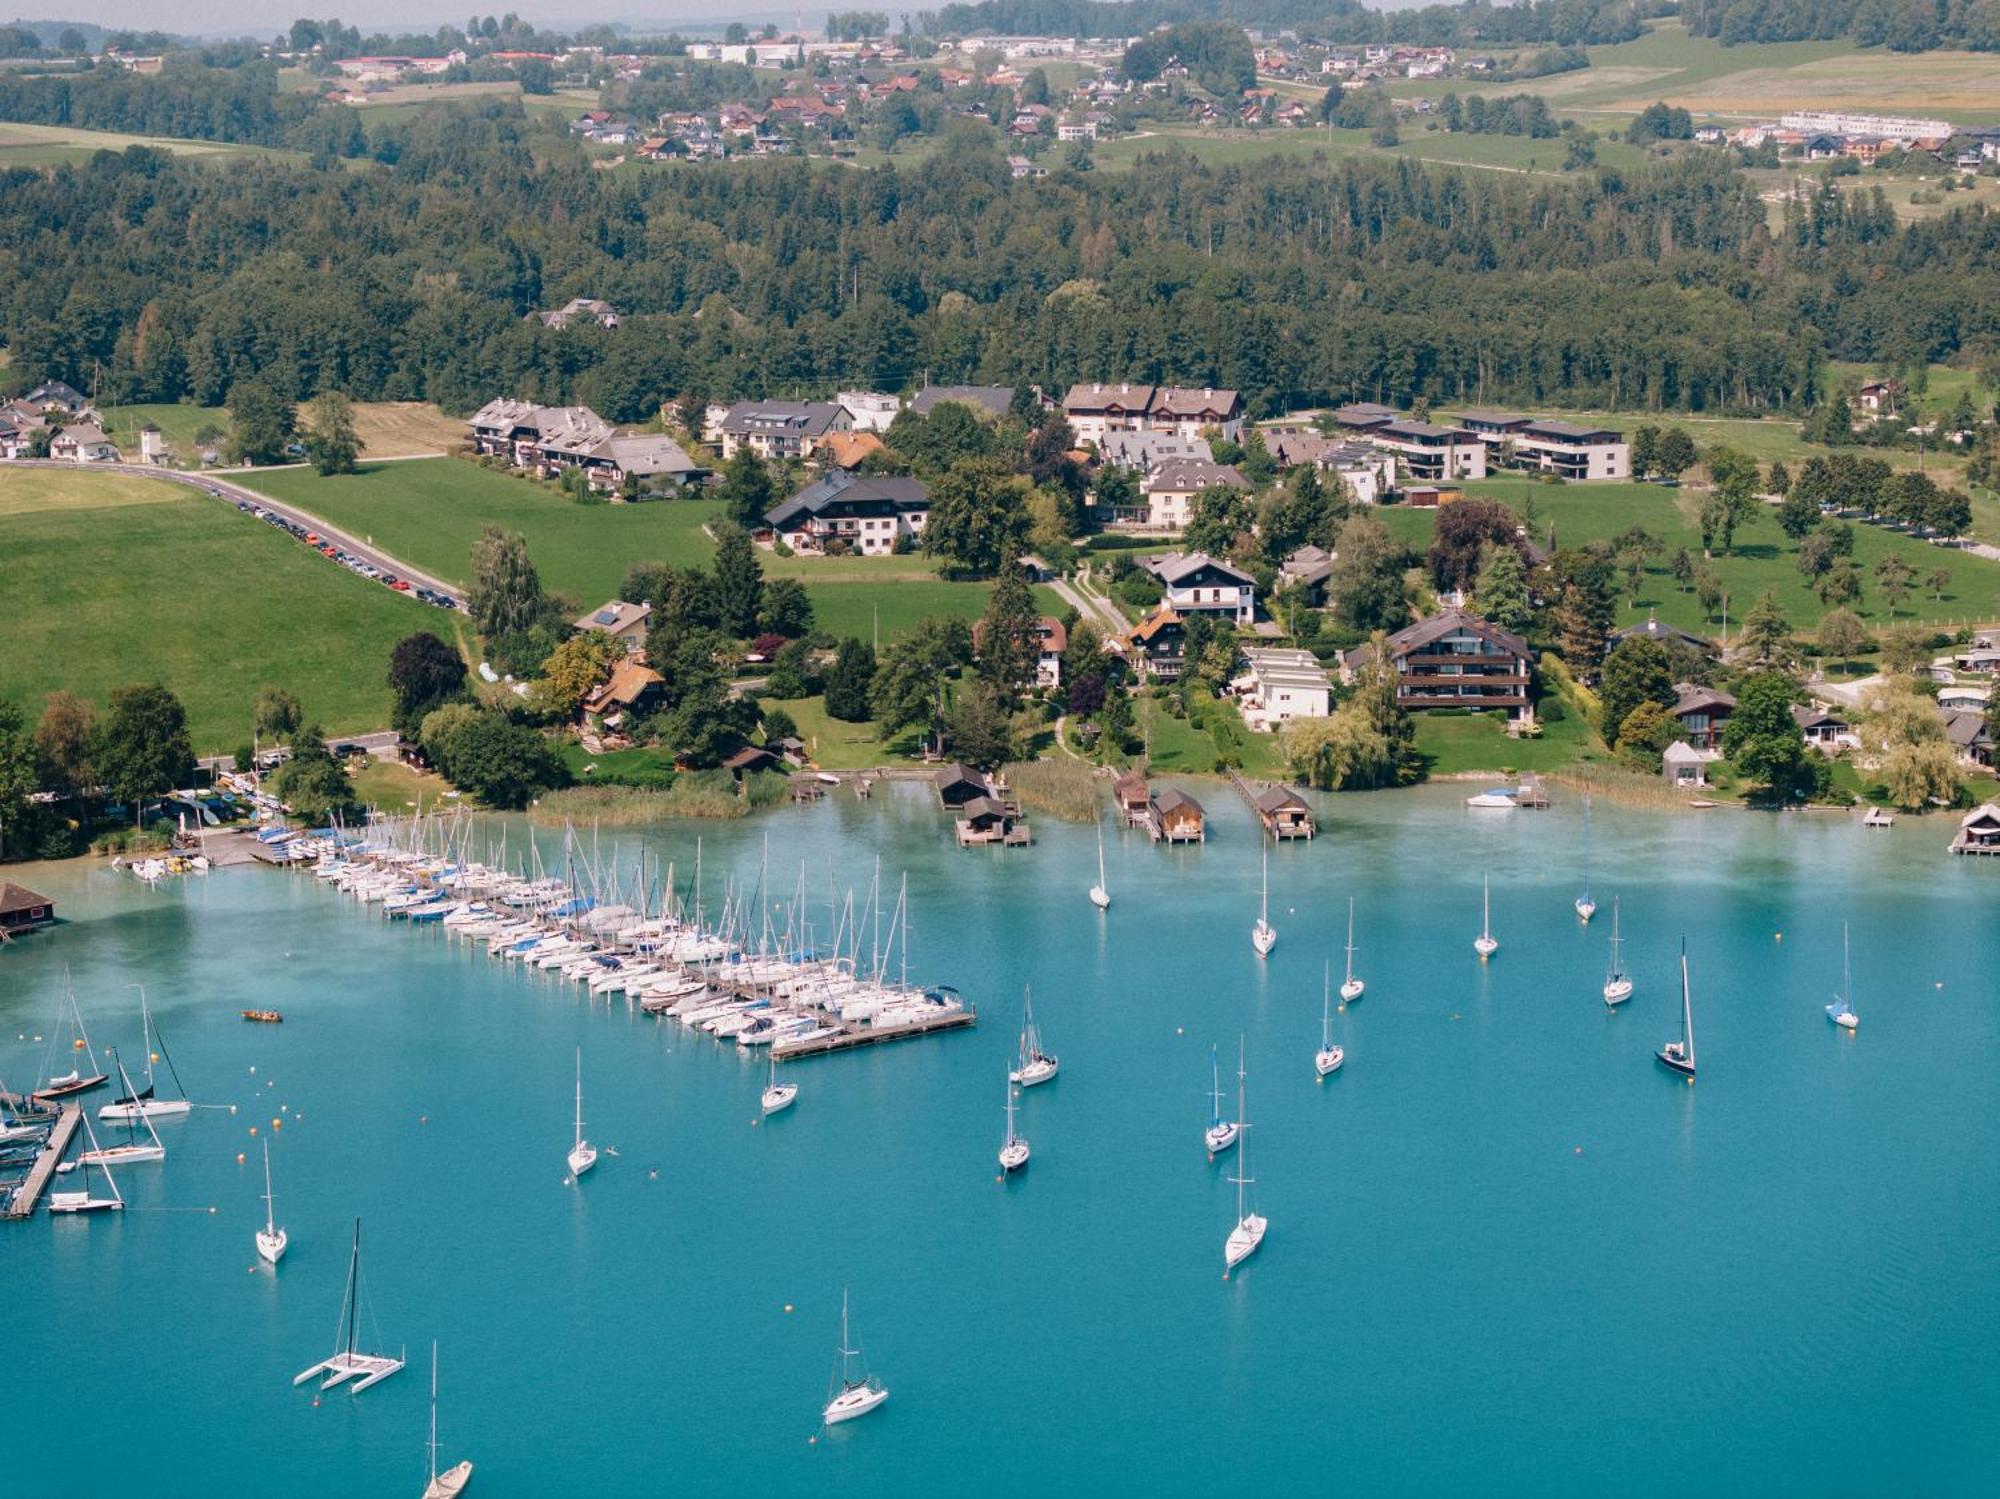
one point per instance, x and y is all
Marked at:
(1669, 1057)
(1219, 1137)
(1327, 1061)
(68, 1089)
(1847, 1020)
(1486, 947)
(1013, 1156)
(1244, 1240)
(780, 1098)
(1617, 991)
(1037, 1072)
(271, 1247)
(1100, 898)
(852, 1403)
(450, 1483)
(1352, 990)
(582, 1159)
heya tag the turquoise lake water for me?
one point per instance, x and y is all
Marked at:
(1508, 1252)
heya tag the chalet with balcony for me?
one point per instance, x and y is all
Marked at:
(1458, 660)
(1280, 684)
(83, 443)
(1156, 647)
(1094, 410)
(1701, 713)
(1171, 488)
(782, 429)
(1196, 583)
(627, 695)
(852, 513)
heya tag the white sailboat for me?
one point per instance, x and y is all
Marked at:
(1586, 906)
(452, 1481)
(1484, 944)
(1036, 1066)
(1351, 988)
(1100, 893)
(778, 1095)
(271, 1239)
(1248, 1234)
(1678, 1056)
(582, 1155)
(144, 1101)
(1841, 1011)
(1013, 1148)
(347, 1361)
(82, 1201)
(1264, 936)
(855, 1397)
(82, 1077)
(1329, 1057)
(1617, 985)
(1221, 1133)
(134, 1149)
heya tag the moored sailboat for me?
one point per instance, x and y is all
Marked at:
(1484, 944)
(1014, 1147)
(1586, 905)
(1100, 893)
(347, 1361)
(82, 1201)
(145, 1101)
(1221, 1133)
(1841, 1011)
(854, 1397)
(82, 1077)
(1264, 936)
(1329, 1057)
(134, 1149)
(1617, 983)
(452, 1481)
(778, 1095)
(1036, 1065)
(271, 1239)
(1678, 1056)
(1351, 988)
(1248, 1235)
(582, 1155)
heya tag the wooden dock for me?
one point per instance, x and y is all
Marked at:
(868, 1035)
(29, 1195)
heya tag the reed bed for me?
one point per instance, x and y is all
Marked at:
(1065, 789)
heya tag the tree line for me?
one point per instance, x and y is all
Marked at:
(1899, 25)
(1474, 23)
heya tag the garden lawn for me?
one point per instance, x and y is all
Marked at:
(836, 745)
(115, 580)
(1764, 558)
(1460, 743)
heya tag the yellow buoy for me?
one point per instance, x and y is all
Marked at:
(277, 1124)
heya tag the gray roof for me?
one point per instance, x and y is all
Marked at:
(1449, 621)
(804, 418)
(1187, 474)
(1273, 798)
(1694, 699)
(1175, 566)
(994, 400)
(854, 493)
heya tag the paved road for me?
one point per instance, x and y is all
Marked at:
(1096, 610)
(222, 486)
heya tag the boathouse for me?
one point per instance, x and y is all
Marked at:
(1134, 798)
(960, 784)
(1978, 831)
(1176, 817)
(1283, 812)
(986, 819)
(1684, 765)
(22, 910)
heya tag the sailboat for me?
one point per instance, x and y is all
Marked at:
(1841, 1011)
(1351, 988)
(582, 1155)
(856, 1397)
(82, 1201)
(1100, 893)
(778, 1095)
(1484, 944)
(452, 1481)
(1264, 936)
(1678, 1056)
(1221, 1133)
(1248, 1235)
(271, 1239)
(1013, 1149)
(1586, 907)
(1037, 1066)
(76, 1080)
(1617, 987)
(347, 1362)
(1329, 1057)
(134, 1149)
(132, 1105)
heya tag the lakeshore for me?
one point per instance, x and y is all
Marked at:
(1499, 1181)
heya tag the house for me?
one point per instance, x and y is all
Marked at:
(1049, 651)
(22, 910)
(1284, 813)
(750, 759)
(1967, 734)
(1019, 167)
(1663, 634)
(987, 819)
(958, 784)
(581, 309)
(1145, 452)
(16, 432)
(1978, 831)
(1281, 684)
(1458, 660)
(993, 401)
(1965, 697)
(1684, 765)
(1365, 416)
(844, 512)
(1701, 713)
(1190, 412)
(1170, 490)
(1879, 397)
(1093, 410)
(1157, 645)
(623, 622)
(1309, 568)
(847, 449)
(1129, 793)
(871, 410)
(1175, 817)
(1196, 583)
(56, 397)
(782, 429)
(1430, 453)
(626, 695)
(83, 444)
(153, 446)
(536, 437)
(1571, 451)
(1823, 729)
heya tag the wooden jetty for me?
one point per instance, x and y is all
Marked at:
(28, 1195)
(1281, 810)
(850, 1037)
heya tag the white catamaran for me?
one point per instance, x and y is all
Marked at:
(1264, 936)
(347, 1361)
(1841, 1011)
(854, 1397)
(1617, 984)
(271, 1239)
(1248, 1235)
(1014, 1146)
(1484, 944)
(582, 1155)
(452, 1481)
(1221, 1133)
(1036, 1065)
(1351, 988)
(1100, 893)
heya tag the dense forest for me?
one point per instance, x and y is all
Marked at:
(1900, 25)
(1477, 22)
(159, 279)
(242, 105)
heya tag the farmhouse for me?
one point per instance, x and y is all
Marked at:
(845, 512)
(1196, 583)
(83, 444)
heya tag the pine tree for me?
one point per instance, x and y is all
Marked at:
(739, 582)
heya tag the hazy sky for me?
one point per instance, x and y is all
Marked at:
(235, 17)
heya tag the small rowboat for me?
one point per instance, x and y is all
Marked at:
(266, 1017)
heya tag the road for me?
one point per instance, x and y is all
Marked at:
(225, 488)
(1096, 610)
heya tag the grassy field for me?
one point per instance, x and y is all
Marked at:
(1763, 560)
(56, 145)
(117, 580)
(1461, 743)
(1508, 153)
(388, 429)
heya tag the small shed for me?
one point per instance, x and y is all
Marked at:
(1284, 813)
(1177, 817)
(986, 819)
(959, 784)
(23, 910)
(1684, 765)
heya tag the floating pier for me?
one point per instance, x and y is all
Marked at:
(868, 1035)
(29, 1194)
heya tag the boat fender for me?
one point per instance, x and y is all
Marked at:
(253, 1129)
(232, 1108)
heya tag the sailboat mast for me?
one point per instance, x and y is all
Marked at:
(1687, 1008)
(270, 1207)
(434, 1410)
(354, 1288)
(1350, 939)
(1243, 1138)
(579, 1095)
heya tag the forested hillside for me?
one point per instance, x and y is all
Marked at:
(1295, 281)
(1900, 25)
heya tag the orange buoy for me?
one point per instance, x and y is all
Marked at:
(239, 1157)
